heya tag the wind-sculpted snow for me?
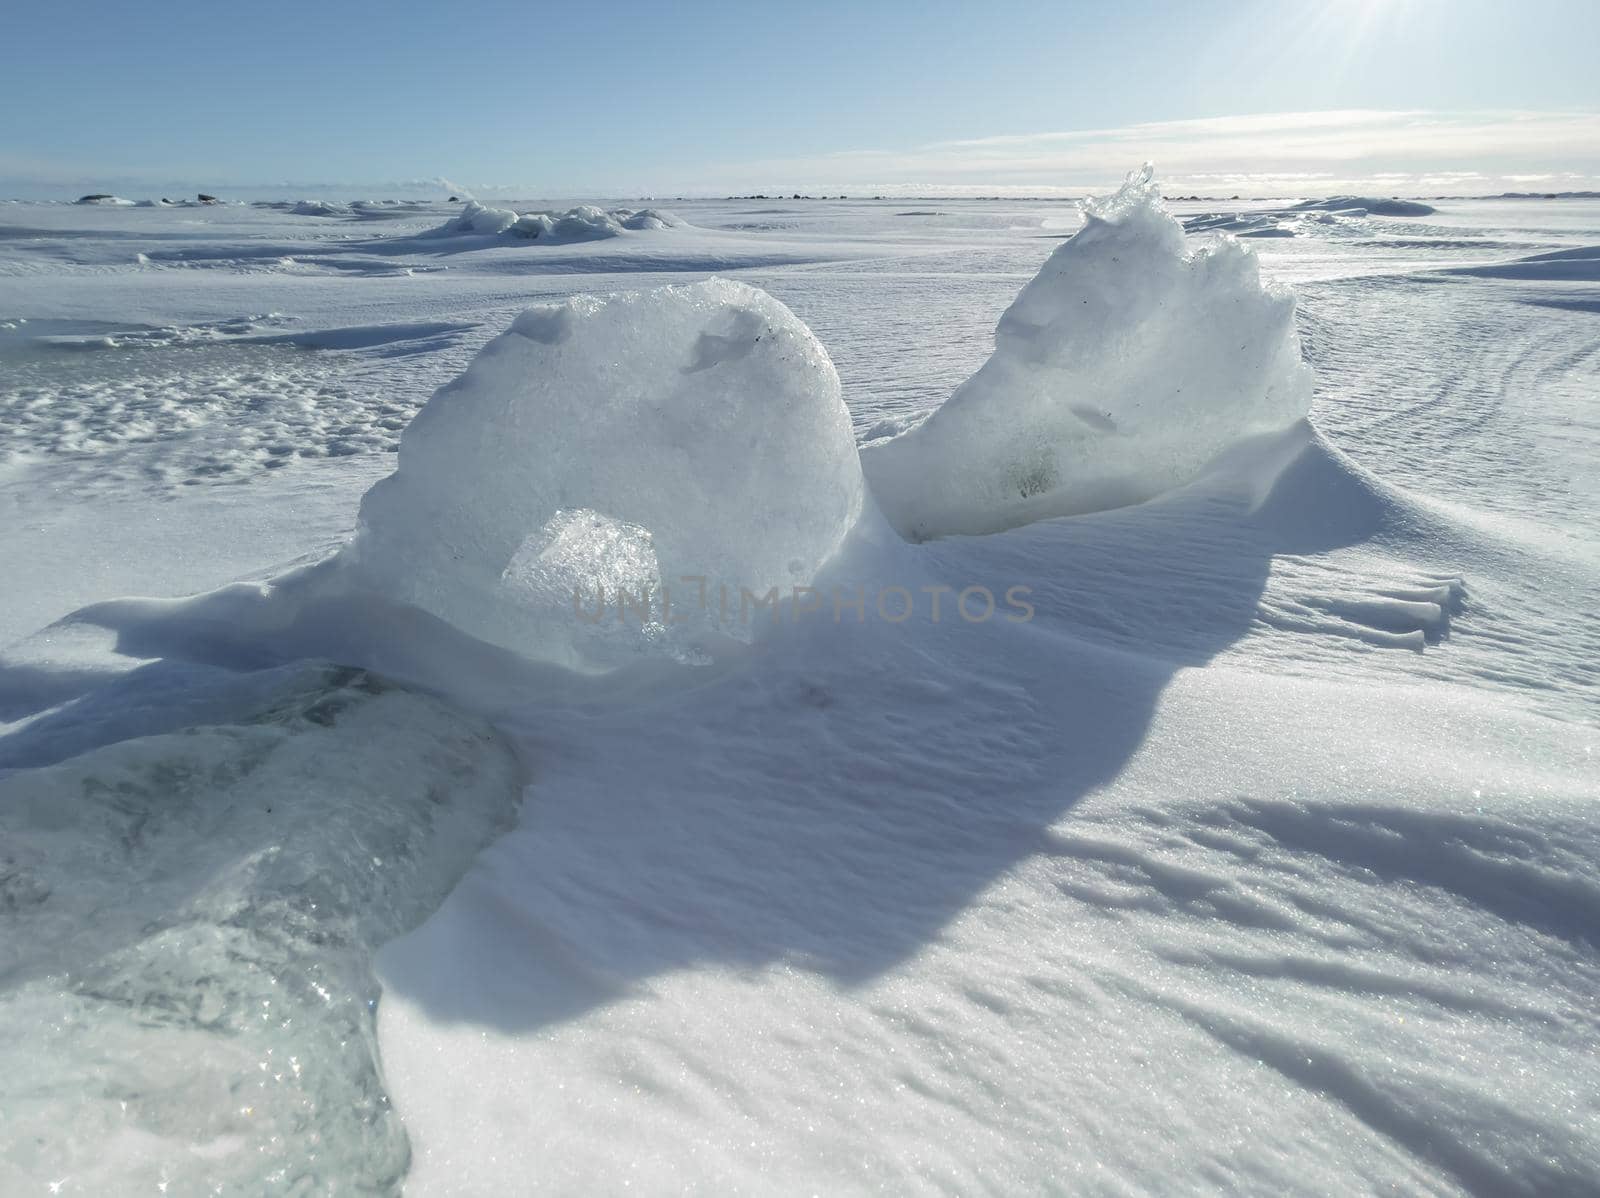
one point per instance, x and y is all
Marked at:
(583, 223)
(1375, 205)
(1578, 265)
(104, 403)
(616, 441)
(1124, 367)
(1338, 217)
(361, 209)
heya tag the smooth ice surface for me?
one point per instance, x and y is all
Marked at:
(1130, 361)
(621, 441)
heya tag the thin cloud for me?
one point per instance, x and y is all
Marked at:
(1265, 154)
(1261, 151)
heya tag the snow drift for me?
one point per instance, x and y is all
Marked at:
(1374, 205)
(1580, 264)
(1124, 367)
(615, 441)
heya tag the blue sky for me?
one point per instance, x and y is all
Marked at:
(702, 97)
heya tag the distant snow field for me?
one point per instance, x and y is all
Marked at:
(800, 696)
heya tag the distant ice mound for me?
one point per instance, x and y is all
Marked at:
(1375, 205)
(105, 201)
(583, 223)
(1128, 363)
(647, 218)
(477, 218)
(617, 441)
(319, 208)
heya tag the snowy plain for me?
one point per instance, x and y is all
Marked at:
(1264, 857)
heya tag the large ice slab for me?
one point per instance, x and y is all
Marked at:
(616, 441)
(1128, 363)
(186, 924)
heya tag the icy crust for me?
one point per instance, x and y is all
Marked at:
(583, 223)
(1128, 363)
(186, 925)
(616, 441)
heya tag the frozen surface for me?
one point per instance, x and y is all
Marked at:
(1261, 858)
(188, 917)
(1122, 369)
(617, 442)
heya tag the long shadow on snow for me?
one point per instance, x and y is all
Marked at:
(838, 803)
(836, 800)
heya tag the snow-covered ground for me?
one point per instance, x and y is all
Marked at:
(1249, 843)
